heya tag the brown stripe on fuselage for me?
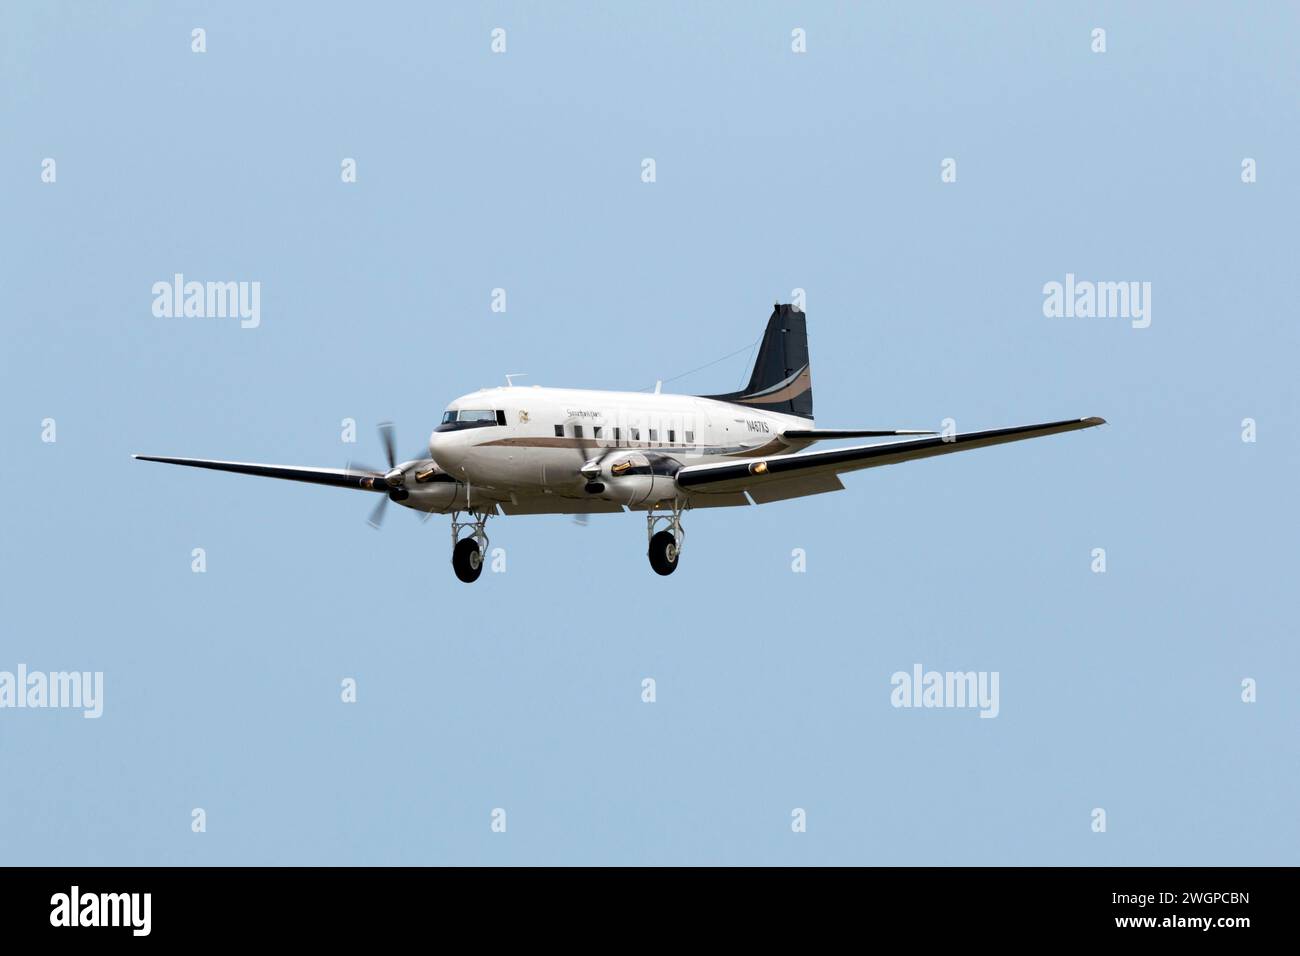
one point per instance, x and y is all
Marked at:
(540, 441)
(580, 443)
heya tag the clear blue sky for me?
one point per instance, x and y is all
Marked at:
(774, 171)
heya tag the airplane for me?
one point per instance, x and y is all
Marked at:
(523, 450)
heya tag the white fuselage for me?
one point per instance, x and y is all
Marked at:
(529, 441)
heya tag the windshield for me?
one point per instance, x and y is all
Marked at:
(456, 420)
(469, 415)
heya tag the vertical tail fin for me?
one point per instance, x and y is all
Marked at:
(781, 380)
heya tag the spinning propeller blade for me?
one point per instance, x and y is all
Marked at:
(393, 480)
(390, 444)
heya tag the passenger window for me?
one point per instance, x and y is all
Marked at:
(616, 435)
(672, 436)
(595, 431)
(559, 431)
(577, 431)
(690, 438)
(654, 434)
(636, 434)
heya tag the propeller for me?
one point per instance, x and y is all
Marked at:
(376, 519)
(393, 481)
(390, 443)
(590, 467)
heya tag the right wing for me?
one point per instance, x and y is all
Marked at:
(339, 477)
(819, 434)
(816, 471)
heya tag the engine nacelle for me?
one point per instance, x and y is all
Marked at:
(636, 478)
(429, 488)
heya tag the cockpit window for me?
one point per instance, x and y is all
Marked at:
(453, 419)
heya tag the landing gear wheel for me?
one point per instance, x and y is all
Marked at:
(467, 560)
(663, 552)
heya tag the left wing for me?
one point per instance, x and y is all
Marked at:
(764, 478)
(338, 477)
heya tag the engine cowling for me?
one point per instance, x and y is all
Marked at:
(634, 478)
(429, 488)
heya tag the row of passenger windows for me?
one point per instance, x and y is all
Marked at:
(634, 434)
(477, 418)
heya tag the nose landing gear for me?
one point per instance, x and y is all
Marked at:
(666, 545)
(467, 552)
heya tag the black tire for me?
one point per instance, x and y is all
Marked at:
(467, 560)
(663, 552)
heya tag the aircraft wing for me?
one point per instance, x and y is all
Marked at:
(339, 477)
(806, 473)
(818, 434)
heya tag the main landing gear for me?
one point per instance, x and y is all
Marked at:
(665, 545)
(664, 550)
(467, 552)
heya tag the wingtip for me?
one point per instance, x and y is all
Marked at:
(1094, 420)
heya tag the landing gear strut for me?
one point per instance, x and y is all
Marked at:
(666, 545)
(467, 552)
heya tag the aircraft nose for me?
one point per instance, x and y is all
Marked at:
(444, 450)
